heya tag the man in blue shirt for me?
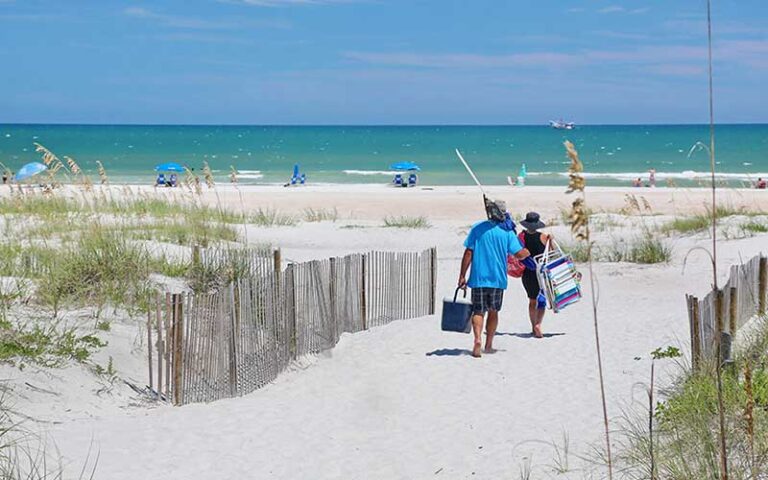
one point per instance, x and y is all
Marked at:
(486, 249)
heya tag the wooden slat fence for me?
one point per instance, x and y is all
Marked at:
(236, 339)
(726, 310)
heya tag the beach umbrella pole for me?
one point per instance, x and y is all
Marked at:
(486, 202)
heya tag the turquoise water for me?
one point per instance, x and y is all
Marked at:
(265, 154)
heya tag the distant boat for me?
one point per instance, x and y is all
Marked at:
(561, 125)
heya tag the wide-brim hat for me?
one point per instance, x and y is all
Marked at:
(532, 221)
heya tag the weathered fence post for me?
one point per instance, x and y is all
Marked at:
(195, 255)
(733, 311)
(433, 279)
(178, 339)
(693, 316)
(761, 286)
(277, 258)
(334, 320)
(290, 273)
(149, 341)
(160, 350)
(719, 297)
(363, 306)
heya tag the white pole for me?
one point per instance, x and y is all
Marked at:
(471, 173)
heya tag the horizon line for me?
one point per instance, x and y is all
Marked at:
(368, 125)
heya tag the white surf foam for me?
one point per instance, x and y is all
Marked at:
(369, 172)
(686, 175)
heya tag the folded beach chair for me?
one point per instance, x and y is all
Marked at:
(398, 180)
(412, 179)
(558, 278)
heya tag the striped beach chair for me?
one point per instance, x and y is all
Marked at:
(558, 278)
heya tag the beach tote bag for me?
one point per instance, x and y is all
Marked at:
(558, 277)
(515, 268)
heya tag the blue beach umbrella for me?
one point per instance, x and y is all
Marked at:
(169, 167)
(405, 166)
(30, 170)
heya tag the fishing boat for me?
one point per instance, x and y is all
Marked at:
(561, 125)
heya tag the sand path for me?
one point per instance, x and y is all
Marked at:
(406, 400)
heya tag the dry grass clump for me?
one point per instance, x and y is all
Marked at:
(320, 215)
(407, 222)
(267, 217)
(579, 221)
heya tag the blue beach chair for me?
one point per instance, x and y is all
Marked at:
(398, 180)
(412, 180)
(160, 182)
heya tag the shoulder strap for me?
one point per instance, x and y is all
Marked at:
(521, 237)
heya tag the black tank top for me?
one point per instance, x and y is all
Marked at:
(533, 243)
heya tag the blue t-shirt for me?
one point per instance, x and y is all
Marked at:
(490, 245)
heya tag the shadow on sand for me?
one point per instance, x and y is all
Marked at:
(529, 334)
(449, 352)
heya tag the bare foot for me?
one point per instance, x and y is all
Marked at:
(476, 351)
(537, 331)
(489, 350)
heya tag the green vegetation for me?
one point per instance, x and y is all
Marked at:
(645, 249)
(271, 218)
(406, 222)
(695, 224)
(49, 345)
(686, 440)
(320, 215)
(754, 227)
(702, 222)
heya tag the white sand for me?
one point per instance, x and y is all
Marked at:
(406, 400)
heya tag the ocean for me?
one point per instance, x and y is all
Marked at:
(612, 155)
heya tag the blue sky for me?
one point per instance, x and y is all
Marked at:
(379, 61)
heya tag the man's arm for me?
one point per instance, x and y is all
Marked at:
(466, 261)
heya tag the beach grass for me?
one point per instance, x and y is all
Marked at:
(686, 442)
(406, 222)
(321, 215)
(687, 225)
(267, 217)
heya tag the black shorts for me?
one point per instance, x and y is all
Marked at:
(486, 299)
(531, 284)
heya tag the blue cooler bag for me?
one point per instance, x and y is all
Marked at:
(457, 313)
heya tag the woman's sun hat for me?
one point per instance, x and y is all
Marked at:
(532, 221)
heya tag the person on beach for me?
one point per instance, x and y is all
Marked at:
(486, 249)
(638, 182)
(652, 177)
(760, 184)
(535, 242)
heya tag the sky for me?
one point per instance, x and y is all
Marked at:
(380, 61)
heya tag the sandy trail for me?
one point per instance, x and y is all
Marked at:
(406, 400)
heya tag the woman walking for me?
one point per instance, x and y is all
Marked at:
(535, 242)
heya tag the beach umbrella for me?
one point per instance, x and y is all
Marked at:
(405, 166)
(30, 170)
(169, 167)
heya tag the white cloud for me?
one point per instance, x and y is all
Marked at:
(191, 23)
(612, 9)
(284, 3)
